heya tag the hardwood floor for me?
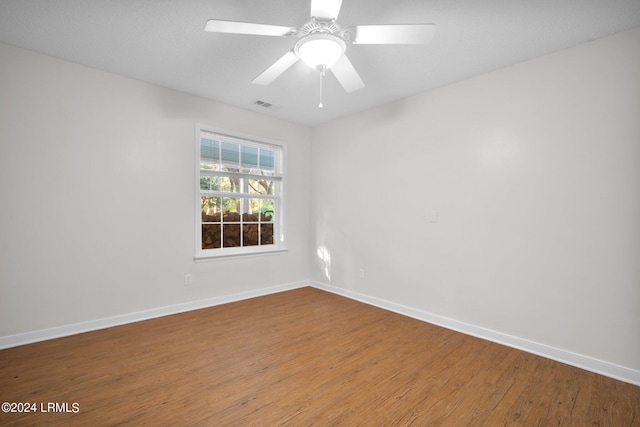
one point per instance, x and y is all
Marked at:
(302, 357)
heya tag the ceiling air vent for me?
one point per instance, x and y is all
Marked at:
(263, 104)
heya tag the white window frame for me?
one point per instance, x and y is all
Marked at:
(279, 241)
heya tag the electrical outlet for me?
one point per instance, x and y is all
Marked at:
(187, 279)
(361, 273)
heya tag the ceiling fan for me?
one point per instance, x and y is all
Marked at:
(322, 42)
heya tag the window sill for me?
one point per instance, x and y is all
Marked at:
(238, 254)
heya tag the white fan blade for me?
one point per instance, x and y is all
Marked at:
(277, 68)
(325, 9)
(217, 26)
(394, 34)
(347, 74)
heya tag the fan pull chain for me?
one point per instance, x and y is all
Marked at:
(322, 69)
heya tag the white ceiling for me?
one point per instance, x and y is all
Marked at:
(163, 42)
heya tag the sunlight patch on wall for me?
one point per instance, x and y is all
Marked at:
(325, 257)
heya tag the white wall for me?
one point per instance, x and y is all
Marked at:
(534, 171)
(96, 191)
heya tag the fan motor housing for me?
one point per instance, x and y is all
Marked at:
(319, 26)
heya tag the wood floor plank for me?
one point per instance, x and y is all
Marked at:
(302, 357)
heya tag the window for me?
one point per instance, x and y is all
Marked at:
(240, 195)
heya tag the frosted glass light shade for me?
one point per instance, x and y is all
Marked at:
(320, 50)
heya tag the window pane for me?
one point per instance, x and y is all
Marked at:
(205, 182)
(219, 183)
(267, 210)
(249, 157)
(267, 159)
(230, 209)
(231, 235)
(209, 150)
(266, 234)
(227, 184)
(210, 206)
(211, 236)
(252, 210)
(231, 154)
(250, 235)
(261, 186)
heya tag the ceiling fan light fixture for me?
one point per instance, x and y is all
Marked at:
(320, 50)
(321, 42)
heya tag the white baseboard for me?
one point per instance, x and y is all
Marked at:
(584, 362)
(107, 322)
